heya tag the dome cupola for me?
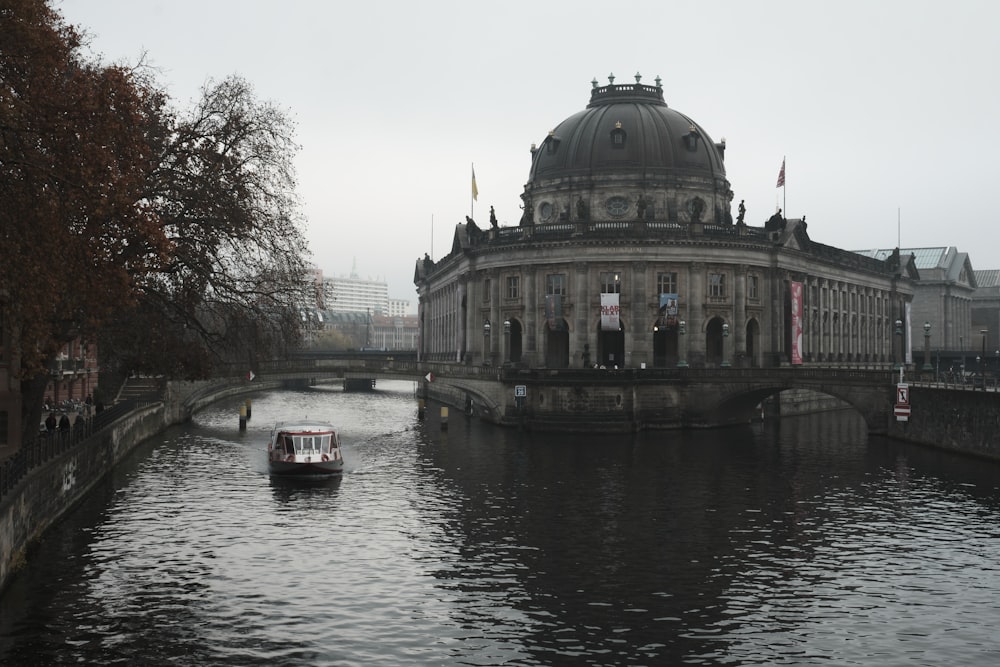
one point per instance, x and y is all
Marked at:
(627, 155)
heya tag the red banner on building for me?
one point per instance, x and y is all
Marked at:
(796, 323)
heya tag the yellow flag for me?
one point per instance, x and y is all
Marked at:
(475, 190)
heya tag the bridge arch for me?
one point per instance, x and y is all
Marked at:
(740, 403)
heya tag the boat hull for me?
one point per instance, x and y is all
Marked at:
(306, 468)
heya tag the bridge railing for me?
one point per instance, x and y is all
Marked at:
(48, 445)
(790, 374)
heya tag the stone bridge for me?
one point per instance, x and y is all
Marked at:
(606, 400)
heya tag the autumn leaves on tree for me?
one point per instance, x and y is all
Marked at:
(171, 238)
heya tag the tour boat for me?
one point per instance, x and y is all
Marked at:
(304, 448)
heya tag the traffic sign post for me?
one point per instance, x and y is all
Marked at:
(902, 408)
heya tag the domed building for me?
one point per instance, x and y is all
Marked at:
(627, 255)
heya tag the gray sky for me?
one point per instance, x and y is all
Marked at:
(885, 110)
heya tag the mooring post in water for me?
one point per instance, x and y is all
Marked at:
(243, 417)
(444, 418)
(420, 409)
(249, 410)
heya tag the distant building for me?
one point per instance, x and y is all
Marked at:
(943, 297)
(354, 295)
(399, 307)
(400, 332)
(986, 311)
(374, 332)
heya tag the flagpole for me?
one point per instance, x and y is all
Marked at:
(472, 194)
(784, 187)
(432, 236)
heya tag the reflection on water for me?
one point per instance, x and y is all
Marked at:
(799, 543)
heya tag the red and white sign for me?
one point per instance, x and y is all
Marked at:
(429, 377)
(902, 409)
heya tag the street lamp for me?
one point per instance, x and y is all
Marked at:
(486, 341)
(725, 335)
(927, 348)
(899, 334)
(681, 330)
(506, 339)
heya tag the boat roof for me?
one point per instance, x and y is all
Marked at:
(304, 426)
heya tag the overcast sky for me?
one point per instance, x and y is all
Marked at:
(888, 112)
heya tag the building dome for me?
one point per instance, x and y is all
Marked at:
(628, 155)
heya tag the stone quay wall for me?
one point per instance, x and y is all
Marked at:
(960, 421)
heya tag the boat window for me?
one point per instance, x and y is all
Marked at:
(306, 444)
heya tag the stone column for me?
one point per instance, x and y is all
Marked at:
(496, 321)
(696, 314)
(738, 331)
(533, 335)
(582, 322)
(639, 334)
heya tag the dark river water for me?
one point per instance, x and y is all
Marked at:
(799, 543)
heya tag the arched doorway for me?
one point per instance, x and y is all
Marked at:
(714, 349)
(513, 340)
(665, 343)
(557, 345)
(611, 346)
(753, 337)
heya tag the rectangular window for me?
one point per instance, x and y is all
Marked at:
(666, 283)
(716, 284)
(611, 282)
(513, 287)
(753, 288)
(555, 283)
(486, 290)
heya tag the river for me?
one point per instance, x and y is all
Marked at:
(803, 542)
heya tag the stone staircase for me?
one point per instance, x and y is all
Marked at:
(141, 388)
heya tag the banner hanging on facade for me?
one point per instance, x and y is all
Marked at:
(668, 304)
(796, 323)
(906, 334)
(553, 312)
(609, 312)
(668, 308)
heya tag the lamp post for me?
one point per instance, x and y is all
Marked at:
(899, 335)
(927, 348)
(506, 340)
(681, 330)
(983, 333)
(486, 341)
(725, 335)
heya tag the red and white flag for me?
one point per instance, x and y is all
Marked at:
(781, 175)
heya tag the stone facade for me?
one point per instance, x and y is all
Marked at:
(627, 214)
